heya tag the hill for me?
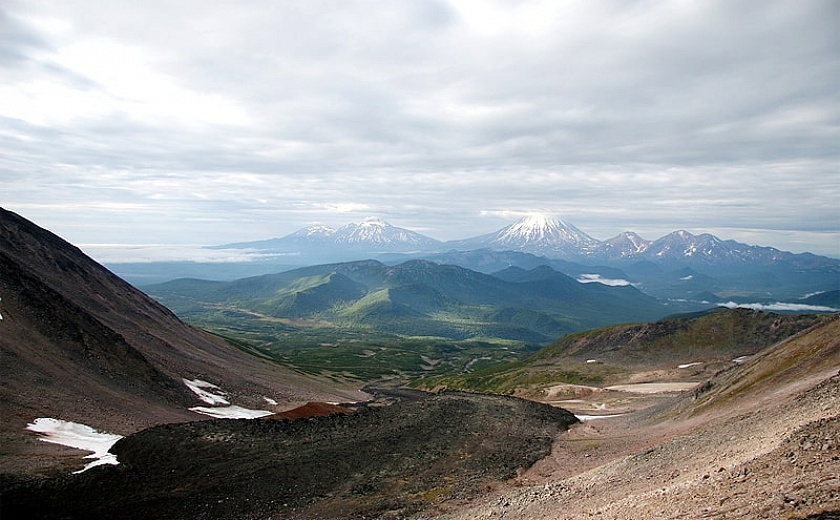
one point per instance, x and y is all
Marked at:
(697, 346)
(420, 298)
(80, 344)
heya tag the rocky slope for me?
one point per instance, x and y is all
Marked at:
(78, 343)
(385, 462)
(759, 440)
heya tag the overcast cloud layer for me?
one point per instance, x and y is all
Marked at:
(199, 122)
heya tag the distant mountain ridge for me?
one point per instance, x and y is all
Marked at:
(371, 234)
(678, 266)
(536, 234)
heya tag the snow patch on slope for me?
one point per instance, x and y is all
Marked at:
(79, 436)
(220, 398)
(231, 412)
(198, 387)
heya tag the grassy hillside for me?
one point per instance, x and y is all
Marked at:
(704, 342)
(721, 334)
(418, 298)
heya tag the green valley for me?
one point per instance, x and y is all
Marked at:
(366, 320)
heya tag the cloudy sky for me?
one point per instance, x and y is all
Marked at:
(197, 122)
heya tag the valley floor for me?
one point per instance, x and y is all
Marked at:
(773, 455)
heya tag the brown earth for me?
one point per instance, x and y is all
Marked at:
(379, 462)
(312, 410)
(760, 440)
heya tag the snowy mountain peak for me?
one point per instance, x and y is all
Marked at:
(682, 244)
(538, 222)
(537, 234)
(375, 232)
(541, 234)
(541, 228)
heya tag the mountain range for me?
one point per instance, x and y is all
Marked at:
(678, 266)
(536, 234)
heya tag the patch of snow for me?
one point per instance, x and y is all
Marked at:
(198, 387)
(583, 418)
(231, 412)
(655, 388)
(597, 278)
(687, 278)
(270, 401)
(79, 436)
(779, 306)
(740, 359)
(689, 365)
(594, 361)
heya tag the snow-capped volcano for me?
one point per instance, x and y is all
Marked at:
(371, 235)
(539, 229)
(378, 233)
(537, 234)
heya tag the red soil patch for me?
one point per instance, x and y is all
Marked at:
(312, 409)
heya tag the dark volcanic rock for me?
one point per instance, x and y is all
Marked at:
(377, 462)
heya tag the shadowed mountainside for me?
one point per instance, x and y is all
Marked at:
(80, 344)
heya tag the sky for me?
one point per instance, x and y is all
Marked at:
(128, 124)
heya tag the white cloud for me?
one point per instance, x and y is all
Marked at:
(227, 122)
(597, 278)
